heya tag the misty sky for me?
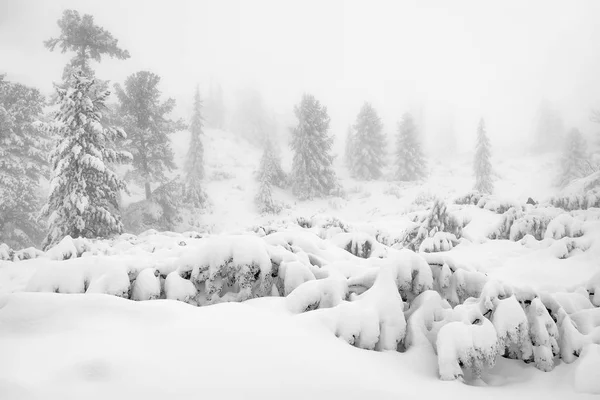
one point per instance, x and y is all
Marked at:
(451, 62)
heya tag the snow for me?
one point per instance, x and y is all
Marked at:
(320, 301)
(587, 373)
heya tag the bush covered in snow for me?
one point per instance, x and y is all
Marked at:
(437, 231)
(364, 292)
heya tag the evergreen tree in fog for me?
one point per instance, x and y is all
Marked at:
(145, 118)
(194, 162)
(84, 188)
(410, 163)
(312, 172)
(349, 148)
(23, 146)
(368, 145)
(574, 160)
(87, 40)
(481, 164)
(269, 173)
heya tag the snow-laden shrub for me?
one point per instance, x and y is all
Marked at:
(529, 224)
(471, 198)
(441, 241)
(498, 205)
(468, 342)
(6, 253)
(25, 254)
(230, 268)
(577, 331)
(291, 275)
(543, 333)
(412, 274)
(437, 220)
(512, 327)
(146, 286)
(315, 294)
(593, 288)
(454, 282)
(374, 320)
(421, 316)
(582, 194)
(73, 276)
(564, 225)
(502, 231)
(178, 288)
(359, 244)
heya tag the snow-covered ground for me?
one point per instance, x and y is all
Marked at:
(56, 342)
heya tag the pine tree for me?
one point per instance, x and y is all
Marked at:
(481, 163)
(88, 41)
(194, 163)
(270, 166)
(83, 189)
(409, 157)
(269, 173)
(145, 119)
(574, 158)
(312, 172)
(349, 149)
(369, 145)
(23, 146)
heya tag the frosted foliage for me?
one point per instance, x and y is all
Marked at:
(312, 172)
(269, 173)
(410, 162)
(373, 320)
(146, 118)
(22, 163)
(438, 231)
(481, 163)
(466, 344)
(83, 189)
(367, 145)
(544, 335)
(194, 162)
(512, 328)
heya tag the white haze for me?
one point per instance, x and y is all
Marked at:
(449, 62)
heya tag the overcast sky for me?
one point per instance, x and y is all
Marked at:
(447, 60)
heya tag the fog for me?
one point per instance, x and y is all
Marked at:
(450, 63)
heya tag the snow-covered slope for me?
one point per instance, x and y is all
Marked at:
(522, 277)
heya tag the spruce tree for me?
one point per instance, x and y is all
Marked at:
(574, 158)
(23, 146)
(145, 118)
(481, 164)
(349, 149)
(312, 172)
(270, 166)
(89, 42)
(194, 162)
(83, 190)
(410, 163)
(369, 145)
(269, 173)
